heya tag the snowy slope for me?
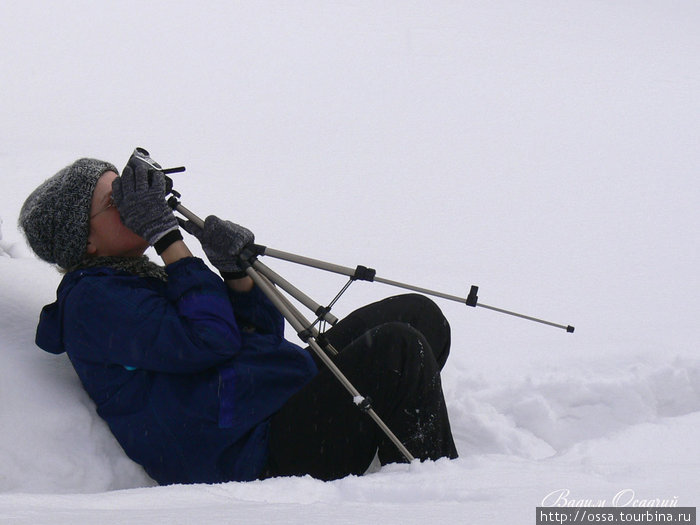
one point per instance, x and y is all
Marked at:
(546, 152)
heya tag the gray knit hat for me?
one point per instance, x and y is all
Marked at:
(55, 218)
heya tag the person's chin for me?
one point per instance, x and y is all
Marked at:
(141, 250)
(137, 250)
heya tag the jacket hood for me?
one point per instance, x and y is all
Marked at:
(49, 336)
(49, 332)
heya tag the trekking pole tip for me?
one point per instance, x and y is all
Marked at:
(570, 329)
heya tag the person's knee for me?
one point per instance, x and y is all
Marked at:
(421, 307)
(397, 343)
(429, 319)
(413, 302)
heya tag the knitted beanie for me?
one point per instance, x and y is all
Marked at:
(55, 218)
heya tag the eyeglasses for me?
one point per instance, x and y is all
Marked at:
(110, 204)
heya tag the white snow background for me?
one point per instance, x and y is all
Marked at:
(545, 151)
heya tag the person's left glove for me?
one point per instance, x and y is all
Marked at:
(222, 241)
(140, 199)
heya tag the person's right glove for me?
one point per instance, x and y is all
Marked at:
(222, 241)
(140, 199)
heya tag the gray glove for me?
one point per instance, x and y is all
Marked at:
(222, 241)
(140, 199)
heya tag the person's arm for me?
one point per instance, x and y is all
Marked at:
(240, 285)
(186, 327)
(254, 309)
(176, 251)
(223, 241)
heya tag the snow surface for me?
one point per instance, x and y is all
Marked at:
(545, 151)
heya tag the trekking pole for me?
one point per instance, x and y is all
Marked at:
(362, 273)
(305, 331)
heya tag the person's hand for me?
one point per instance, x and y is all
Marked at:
(222, 241)
(140, 199)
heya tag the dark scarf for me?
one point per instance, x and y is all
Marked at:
(141, 266)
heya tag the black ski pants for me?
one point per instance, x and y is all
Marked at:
(392, 351)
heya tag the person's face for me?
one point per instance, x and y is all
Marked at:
(108, 235)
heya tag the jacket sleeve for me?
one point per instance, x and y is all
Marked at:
(255, 310)
(117, 319)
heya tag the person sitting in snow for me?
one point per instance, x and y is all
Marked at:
(191, 370)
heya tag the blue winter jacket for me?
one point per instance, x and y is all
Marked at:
(185, 373)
